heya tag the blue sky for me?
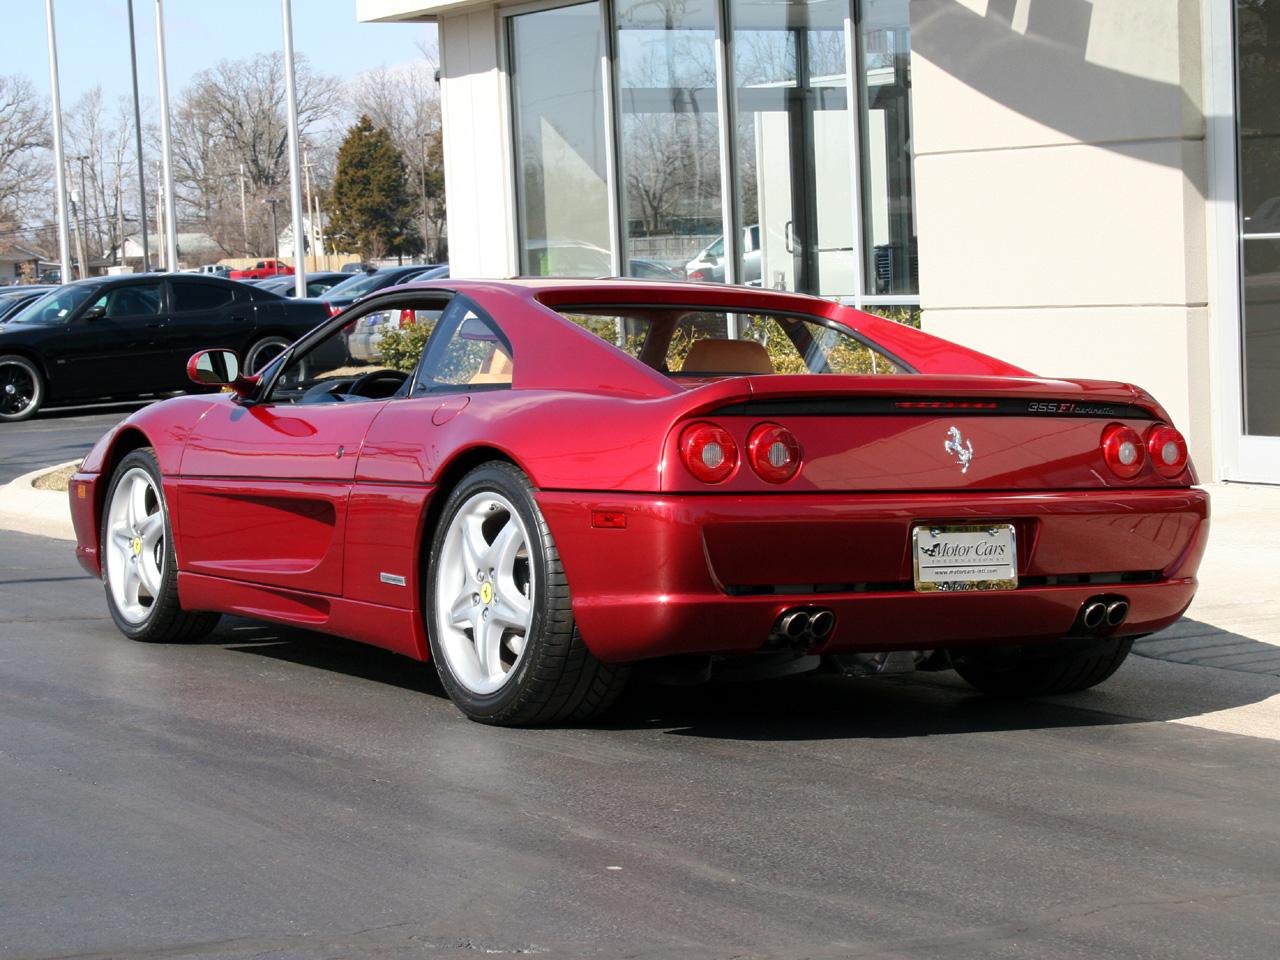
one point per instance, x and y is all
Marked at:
(93, 40)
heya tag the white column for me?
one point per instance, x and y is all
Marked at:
(166, 146)
(295, 178)
(64, 240)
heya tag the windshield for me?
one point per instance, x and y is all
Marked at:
(56, 306)
(358, 285)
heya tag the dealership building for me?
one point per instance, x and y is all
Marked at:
(1087, 188)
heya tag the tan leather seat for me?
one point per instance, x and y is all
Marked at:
(727, 356)
(496, 369)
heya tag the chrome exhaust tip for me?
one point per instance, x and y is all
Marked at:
(1094, 614)
(821, 624)
(794, 625)
(1117, 610)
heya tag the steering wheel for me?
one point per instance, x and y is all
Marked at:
(362, 383)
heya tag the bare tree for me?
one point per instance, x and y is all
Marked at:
(405, 101)
(24, 138)
(232, 117)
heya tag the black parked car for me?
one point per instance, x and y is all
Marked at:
(318, 283)
(362, 284)
(131, 336)
(13, 299)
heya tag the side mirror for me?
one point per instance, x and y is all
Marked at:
(220, 368)
(95, 313)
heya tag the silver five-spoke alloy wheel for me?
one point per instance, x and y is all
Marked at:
(485, 592)
(135, 545)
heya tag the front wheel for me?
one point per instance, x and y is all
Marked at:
(139, 567)
(263, 352)
(21, 388)
(1046, 675)
(498, 611)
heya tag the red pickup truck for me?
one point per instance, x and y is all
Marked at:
(263, 269)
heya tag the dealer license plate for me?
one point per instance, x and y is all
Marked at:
(952, 557)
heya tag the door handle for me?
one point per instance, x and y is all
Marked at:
(237, 319)
(788, 233)
(155, 326)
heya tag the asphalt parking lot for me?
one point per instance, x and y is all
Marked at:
(55, 436)
(272, 793)
(275, 794)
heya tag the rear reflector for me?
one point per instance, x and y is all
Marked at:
(774, 452)
(1123, 450)
(1167, 450)
(708, 452)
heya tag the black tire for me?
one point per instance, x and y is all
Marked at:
(556, 680)
(263, 352)
(1011, 677)
(166, 621)
(21, 388)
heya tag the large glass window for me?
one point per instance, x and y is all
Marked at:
(888, 202)
(670, 138)
(557, 92)
(1258, 62)
(794, 159)
(810, 80)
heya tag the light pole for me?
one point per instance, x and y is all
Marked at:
(166, 145)
(82, 220)
(137, 137)
(244, 213)
(295, 173)
(275, 233)
(64, 241)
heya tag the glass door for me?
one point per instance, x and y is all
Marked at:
(795, 163)
(1258, 132)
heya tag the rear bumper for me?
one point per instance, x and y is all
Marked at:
(712, 573)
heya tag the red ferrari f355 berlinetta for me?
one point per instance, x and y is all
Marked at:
(543, 482)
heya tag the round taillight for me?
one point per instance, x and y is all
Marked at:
(774, 452)
(1123, 450)
(1167, 450)
(709, 452)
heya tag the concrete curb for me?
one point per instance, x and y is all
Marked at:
(45, 513)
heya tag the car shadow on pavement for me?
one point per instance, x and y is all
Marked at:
(812, 706)
(1202, 644)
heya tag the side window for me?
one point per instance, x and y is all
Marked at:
(191, 297)
(369, 358)
(139, 300)
(467, 351)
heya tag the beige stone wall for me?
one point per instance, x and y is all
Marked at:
(1060, 184)
(477, 168)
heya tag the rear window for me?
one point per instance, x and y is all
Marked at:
(701, 343)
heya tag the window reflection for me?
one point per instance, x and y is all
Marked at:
(888, 204)
(794, 156)
(1258, 26)
(670, 141)
(557, 95)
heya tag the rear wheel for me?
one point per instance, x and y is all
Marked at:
(498, 610)
(139, 568)
(21, 388)
(1010, 677)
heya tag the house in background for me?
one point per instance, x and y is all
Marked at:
(194, 248)
(21, 263)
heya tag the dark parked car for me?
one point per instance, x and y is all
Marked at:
(318, 283)
(362, 284)
(131, 336)
(13, 299)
